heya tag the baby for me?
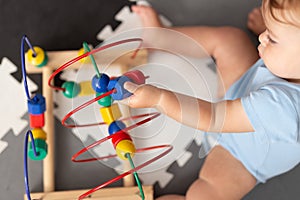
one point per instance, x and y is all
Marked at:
(260, 128)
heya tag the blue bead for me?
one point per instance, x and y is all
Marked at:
(112, 83)
(118, 84)
(99, 84)
(115, 127)
(36, 105)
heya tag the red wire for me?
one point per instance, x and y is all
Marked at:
(83, 150)
(170, 147)
(67, 64)
(83, 106)
(152, 116)
(149, 115)
(155, 114)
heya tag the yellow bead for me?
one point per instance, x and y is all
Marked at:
(39, 58)
(111, 113)
(85, 59)
(86, 88)
(38, 133)
(124, 147)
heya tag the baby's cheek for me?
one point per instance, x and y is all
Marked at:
(272, 65)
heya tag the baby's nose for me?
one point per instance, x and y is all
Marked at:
(263, 39)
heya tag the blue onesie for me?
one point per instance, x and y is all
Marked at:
(272, 105)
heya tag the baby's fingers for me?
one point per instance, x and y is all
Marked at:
(131, 87)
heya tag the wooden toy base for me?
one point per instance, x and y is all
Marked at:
(108, 59)
(121, 193)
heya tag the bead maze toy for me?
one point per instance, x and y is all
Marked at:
(39, 142)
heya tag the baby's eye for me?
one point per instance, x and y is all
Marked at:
(271, 40)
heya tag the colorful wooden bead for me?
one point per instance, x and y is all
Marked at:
(136, 76)
(36, 105)
(105, 101)
(37, 121)
(112, 83)
(85, 59)
(44, 62)
(124, 147)
(111, 113)
(99, 84)
(119, 136)
(118, 85)
(41, 149)
(38, 133)
(40, 59)
(115, 127)
(72, 89)
(86, 88)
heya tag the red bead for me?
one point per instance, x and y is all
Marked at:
(119, 136)
(37, 121)
(136, 76)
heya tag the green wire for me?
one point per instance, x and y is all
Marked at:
(135, 174)
(87, 49)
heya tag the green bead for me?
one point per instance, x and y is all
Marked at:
(106, 101)
(41, 149)
(44, 62)
(72, 89)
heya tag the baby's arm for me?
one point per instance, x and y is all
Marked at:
(225, 116)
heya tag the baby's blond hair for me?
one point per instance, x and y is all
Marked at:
(284, 11)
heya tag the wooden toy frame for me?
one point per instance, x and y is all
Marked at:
(56, 59)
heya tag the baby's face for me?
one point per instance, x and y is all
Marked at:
(280, 47)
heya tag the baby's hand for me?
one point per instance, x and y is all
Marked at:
(144, 96)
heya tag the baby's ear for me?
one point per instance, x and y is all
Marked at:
(130, 86)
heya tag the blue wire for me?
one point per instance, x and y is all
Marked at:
(28, 133)
(24, 74)
(26, 181)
